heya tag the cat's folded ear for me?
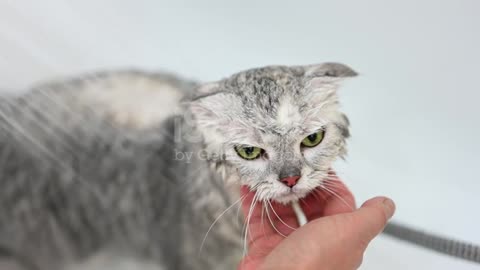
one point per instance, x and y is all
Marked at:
(205, 99)
(210, 106)
(206, 89)
(329, 70)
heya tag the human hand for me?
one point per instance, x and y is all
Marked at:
(335, 237)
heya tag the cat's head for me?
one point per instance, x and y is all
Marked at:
(275, 129)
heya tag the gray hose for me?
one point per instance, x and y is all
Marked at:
(466, 251)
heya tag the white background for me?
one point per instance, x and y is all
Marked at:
(414, 109)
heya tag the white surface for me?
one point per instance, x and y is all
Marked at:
(414, 110)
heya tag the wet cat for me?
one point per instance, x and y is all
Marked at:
(130, 169)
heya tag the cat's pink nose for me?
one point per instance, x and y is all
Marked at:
(290, 181)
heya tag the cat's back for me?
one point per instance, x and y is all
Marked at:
(132, 98)
(73, 115)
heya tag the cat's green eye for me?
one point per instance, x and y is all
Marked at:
(248, 152)
(313, 139)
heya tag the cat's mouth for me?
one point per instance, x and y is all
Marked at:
(291, 195)
(330, 185)
(286, 194)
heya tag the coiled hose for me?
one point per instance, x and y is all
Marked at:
(458, 249)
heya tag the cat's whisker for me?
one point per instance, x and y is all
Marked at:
(271, 223)
(334, 180)
(333, 185)
(254, 205)
(335, 188)
(245, 222)
(238, 211)
(305, 201)
(217, 219)
(338, 196)
(261, 219)
(316, 196)
(279, 218)
(321, 196)
(249, 215)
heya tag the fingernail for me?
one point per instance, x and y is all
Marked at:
(389, 207)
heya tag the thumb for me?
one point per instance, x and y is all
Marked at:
(370, 219)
